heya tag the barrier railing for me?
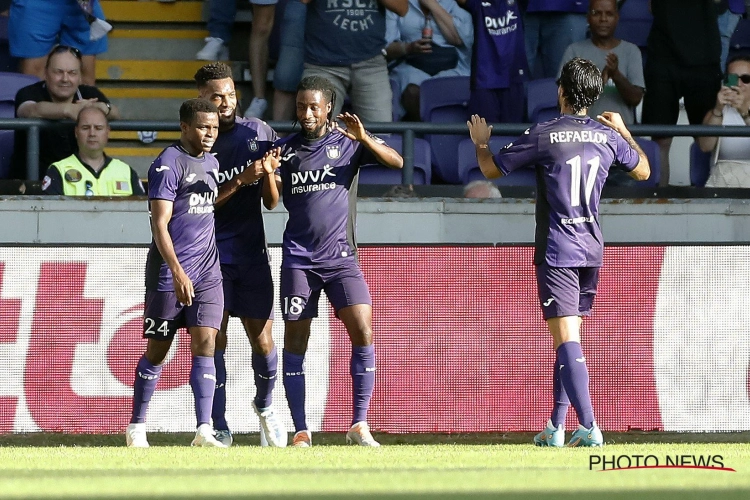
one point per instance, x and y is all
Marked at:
(407, 129)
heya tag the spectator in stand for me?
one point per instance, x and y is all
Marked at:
(730, 13)
(731, 159)
(347, 47)
(684, 51)
(60, 96)
(37, 25)
(622, 70)
(499, 67)
(482, 190)
(90, 172)
(432, 40)
(550, 26)
(220, 22)
(288, 71)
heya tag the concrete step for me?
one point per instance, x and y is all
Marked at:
(117, 137)
(147, 71)
(153, 11)
(154, 44)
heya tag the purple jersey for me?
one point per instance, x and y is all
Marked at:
(240, 236)
(189, 183)
(499, 53)
(320, 192)
(572, 156)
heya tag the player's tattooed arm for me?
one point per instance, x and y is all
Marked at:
(270, 192)
(480, 134)
(355, 131)
(248, 176)
(613, 120)
(161, 213)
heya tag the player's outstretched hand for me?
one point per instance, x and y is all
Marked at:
(612, 120)
(183, 288)
(252, 173)
(479, 131)
(355, 130)
(271, 160)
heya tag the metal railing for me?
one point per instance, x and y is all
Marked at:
(408, 131)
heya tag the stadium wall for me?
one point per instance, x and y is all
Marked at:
(461, 343)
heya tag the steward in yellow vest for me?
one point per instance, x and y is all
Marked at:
(90, 172)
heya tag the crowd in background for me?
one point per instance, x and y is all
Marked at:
(371, 48)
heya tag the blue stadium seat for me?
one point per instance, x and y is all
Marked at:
(469, 168)
(700, 165)
(635, 22)
(9, 85)
(541, 100)
(651, 149)
(378, 174)
(445, 100)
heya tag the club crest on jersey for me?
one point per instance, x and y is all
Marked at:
(252, 145)
(333, 152)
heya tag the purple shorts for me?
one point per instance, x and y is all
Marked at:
(248, 291)
(566, 291)
(300, 290)
(163, 314)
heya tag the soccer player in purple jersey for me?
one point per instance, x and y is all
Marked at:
(183, 277)
(246, 176)
(319, 171)
(572, 155)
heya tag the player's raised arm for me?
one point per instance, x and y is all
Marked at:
(355, 131)
(613, 120)
(271, 162)
(480, 133)
(161, 213)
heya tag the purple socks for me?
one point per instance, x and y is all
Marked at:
(203, 383)
(561, 403)
(575, 381)
(294, 385)
(264, 368)
(218, 412)
(363, 381)
(146, 378)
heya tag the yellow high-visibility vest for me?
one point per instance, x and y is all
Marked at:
(114, 178)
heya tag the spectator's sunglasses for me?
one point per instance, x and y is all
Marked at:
(59, 49)
(743, 78)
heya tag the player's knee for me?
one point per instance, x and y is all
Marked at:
(262, 343)
(157, 350)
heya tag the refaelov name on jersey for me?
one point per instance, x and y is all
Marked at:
(578, 136)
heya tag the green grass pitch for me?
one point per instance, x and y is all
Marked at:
(412, 467)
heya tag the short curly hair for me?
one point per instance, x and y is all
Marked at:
(581, 83)
(190, 109)
(212, 71)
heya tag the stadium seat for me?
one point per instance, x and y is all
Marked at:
(469, 168)
(541, 100)
(379, 174)
(651, 149)
(395, 99)
(635, 22)
(9, 85)
(700, 165)
(445, 100)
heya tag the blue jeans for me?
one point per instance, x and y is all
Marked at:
(221, 19)
(289, 66)
(727, 24)
(547, 35)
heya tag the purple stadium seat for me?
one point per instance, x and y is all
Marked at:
(469, 168)
(635, 22)
(541, 100)
(654, 159)
(9, 85)
(378, 174)
(700, 165)
(445, 100)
